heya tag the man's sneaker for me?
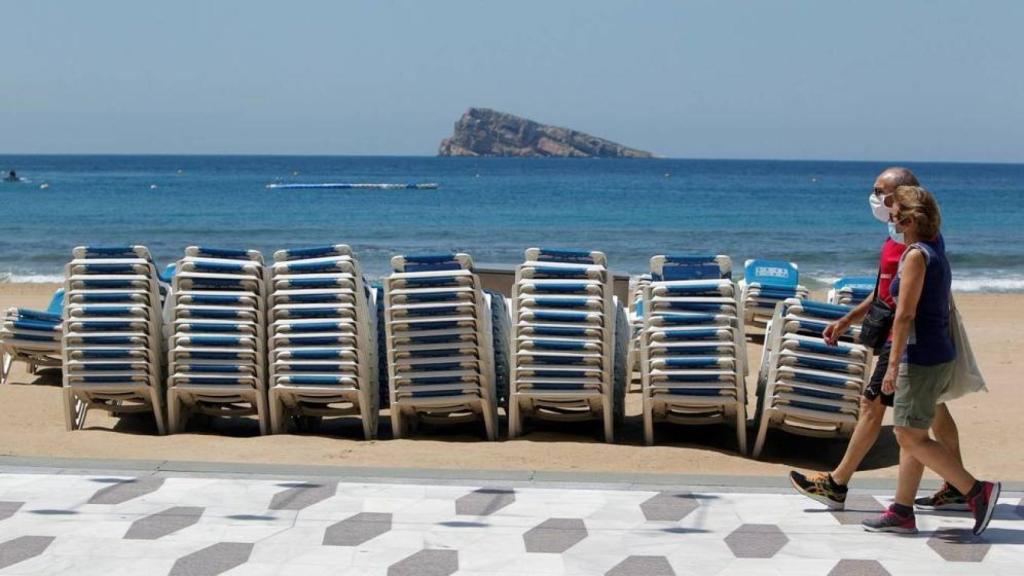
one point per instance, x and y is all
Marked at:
(983, 504)
(820, 488)
(947, 498)
(891, 521)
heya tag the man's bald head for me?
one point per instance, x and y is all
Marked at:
(892, 178)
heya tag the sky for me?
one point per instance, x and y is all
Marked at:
(866, 80)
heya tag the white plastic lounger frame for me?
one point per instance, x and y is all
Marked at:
(693, 346)
(216, 332)
(851, 290)
(323, 350)
(32, 337)
(766, 283)
(805, 386)
(636, 324)
(112, 343)
(568, 330)
(440, 348)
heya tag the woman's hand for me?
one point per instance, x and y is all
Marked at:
(834, 330)
(889, 381)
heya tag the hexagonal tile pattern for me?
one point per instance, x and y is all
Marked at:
(959, 545)
(555, 535)
(756, 541)
(858, 568)
(355, 530)
(212, 560)
(7, 509)
(484, 501)
(859, 507)
(302, 495)
(669, 506)
(22, 548)
(163, 523)
(426, 563)
(125, 490)
(642, 566)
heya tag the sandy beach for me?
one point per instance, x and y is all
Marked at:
(32, 424)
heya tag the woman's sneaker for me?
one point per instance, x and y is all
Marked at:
(820, 488)
(982, 501)
(947, 498)
(892, 521)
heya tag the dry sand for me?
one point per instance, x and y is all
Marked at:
(32, 424)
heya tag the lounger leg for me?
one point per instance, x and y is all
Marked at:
(70, 414)
(396, 421)
(366, 414)
(158, 411)
(515, 422)
(490, 420)
(261, 412)
(277, 413)
(648, 420)
(173, 416)
(609, 420)
(762, 433)
(741, 428)
(5, 367)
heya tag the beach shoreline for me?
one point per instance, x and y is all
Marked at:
(32, 425)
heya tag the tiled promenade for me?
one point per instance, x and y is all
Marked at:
(109, 522)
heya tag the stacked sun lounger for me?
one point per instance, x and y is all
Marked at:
(851, 290)
(693, 353)
(765, 284)
(440, 343)
(636, 323)
(805, 386)
(323, 339)
(112, 347)
(217, 337)
(32, 336)
(571, 339)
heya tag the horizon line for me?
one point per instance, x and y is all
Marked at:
(422, 156)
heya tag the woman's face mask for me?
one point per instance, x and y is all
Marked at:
(878, 208)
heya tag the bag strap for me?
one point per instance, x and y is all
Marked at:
(878, 280)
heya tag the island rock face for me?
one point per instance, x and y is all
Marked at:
(485, 132)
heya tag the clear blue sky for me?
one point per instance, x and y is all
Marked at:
(876, 80)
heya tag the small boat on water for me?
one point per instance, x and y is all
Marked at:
(357, 186)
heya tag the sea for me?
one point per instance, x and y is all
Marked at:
(813, 213)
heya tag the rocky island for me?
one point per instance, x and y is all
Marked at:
(485, 132)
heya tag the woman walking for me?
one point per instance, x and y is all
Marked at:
(921, 365)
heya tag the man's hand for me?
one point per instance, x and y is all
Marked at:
(889, 381)
(835, 329)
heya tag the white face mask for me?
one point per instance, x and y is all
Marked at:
(896, 237)
(878, 208)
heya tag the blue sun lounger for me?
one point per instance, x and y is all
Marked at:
(765, 284)
(440, 343)
(570, 341)
(693, 345)
(32, 337)
(216, 337)
(323, 339)
(806, 386)
(851, 290)
(112, 342)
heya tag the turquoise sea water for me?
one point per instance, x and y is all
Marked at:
(813, 213)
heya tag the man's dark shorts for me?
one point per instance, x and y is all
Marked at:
(874, 388)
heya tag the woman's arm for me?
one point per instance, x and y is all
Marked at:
(839, 327)
(911, 283)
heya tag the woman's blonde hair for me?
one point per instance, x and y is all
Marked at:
(919, 205)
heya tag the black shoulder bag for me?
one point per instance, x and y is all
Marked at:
(877, 323)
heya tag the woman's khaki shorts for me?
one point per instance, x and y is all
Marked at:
(917, 393)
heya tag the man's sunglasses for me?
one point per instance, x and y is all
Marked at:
(886, 198)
